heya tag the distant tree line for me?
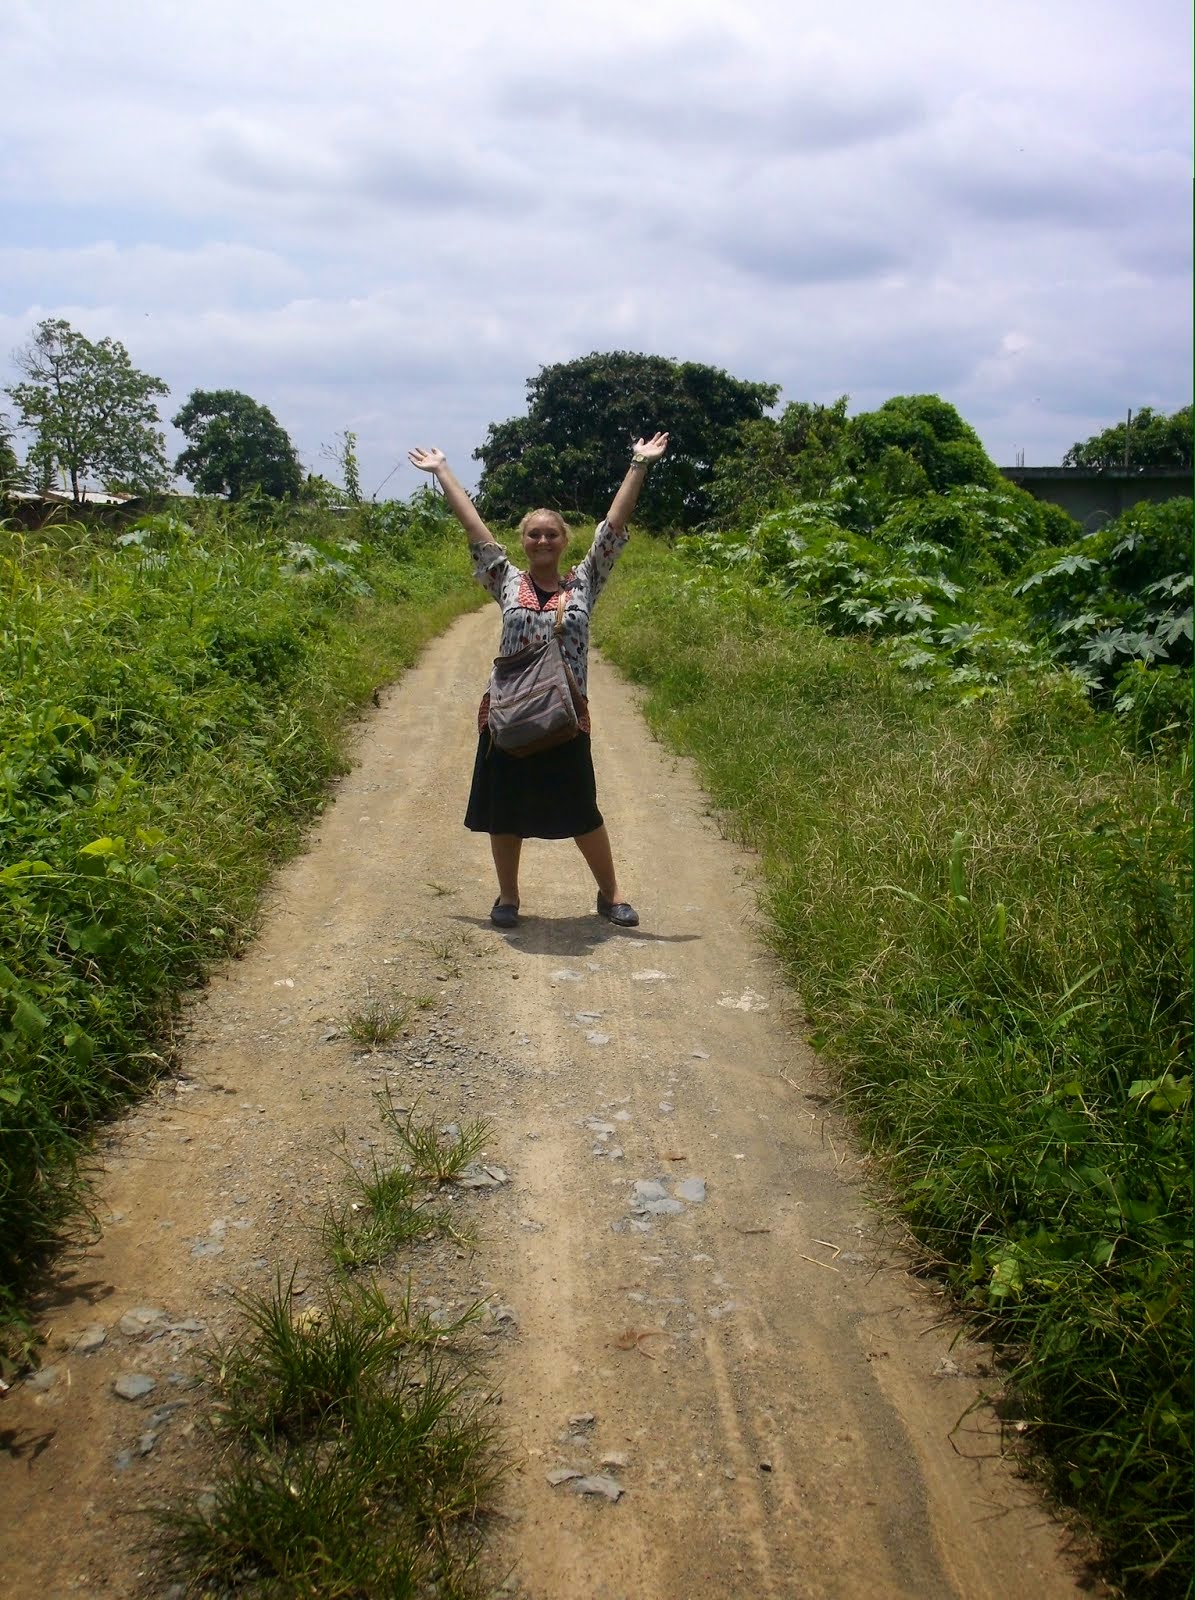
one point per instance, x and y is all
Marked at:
(92, 414)
(1149, 439)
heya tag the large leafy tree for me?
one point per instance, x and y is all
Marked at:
(917, 442)
(912, 445)
(91, 411)
(236, 447)
(572, 448)
(1154, 440)
(795, 456)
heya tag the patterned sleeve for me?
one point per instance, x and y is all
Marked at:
(598, 564)
(490, 567)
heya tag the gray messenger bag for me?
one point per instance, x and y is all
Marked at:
(534, 703)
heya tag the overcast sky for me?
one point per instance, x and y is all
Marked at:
(386, 217)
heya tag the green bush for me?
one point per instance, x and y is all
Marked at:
(1120, 595)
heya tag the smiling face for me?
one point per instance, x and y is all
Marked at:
(545, 539)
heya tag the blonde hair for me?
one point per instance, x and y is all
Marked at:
(561, 525)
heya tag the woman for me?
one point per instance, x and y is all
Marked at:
(551, 795)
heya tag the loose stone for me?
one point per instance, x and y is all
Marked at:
(140, 1320)
(598, 1483)
(134, 1385)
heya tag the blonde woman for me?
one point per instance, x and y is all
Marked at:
(551, 795)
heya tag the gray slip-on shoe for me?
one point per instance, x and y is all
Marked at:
(618, 912)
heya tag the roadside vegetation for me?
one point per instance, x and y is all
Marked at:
(174, 697)
(958, 734)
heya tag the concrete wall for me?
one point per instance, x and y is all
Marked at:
(1094, 497)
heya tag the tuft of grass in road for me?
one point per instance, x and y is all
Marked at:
(377, 1022)
(358, 1451)
(986, 912)
(391, 1209)
(436, 1155)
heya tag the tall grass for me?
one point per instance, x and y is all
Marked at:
(985, 910)
(173, 702)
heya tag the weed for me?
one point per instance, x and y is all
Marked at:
(377, 1022)
(438, 1156)
(392, 1210)
(360, 1454)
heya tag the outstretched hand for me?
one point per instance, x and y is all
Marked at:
(426, 460)
(652, 448)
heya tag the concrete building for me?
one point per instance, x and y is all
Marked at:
(1094, 496)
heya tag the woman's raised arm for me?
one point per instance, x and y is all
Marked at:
(646, 451)
(465, 512)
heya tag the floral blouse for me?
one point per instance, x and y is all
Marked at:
(525, 621)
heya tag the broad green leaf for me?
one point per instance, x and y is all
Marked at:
(1165, 1093)
(1007, 1278)
(25, 869)
(29, 1019)
(80, 1044)
(104, 847)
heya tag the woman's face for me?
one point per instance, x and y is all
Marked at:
(543, 542)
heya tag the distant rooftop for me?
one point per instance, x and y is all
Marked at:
(59, 497)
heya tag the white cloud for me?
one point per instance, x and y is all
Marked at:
(389, 220)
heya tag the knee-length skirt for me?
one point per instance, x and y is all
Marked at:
(552, 795)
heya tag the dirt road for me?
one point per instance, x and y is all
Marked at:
(765, 1383)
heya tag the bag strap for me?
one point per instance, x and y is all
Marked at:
(562, 596)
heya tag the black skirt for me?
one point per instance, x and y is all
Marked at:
(551, 795)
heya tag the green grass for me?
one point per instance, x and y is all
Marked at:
(985, 910)
(376, 1022)
(357, 1454)
(173, 703)
(437, 1156)
(391, 1209)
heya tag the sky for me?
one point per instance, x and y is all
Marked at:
(387, 219)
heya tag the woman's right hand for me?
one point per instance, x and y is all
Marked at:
(427, 460)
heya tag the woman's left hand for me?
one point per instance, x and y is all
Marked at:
(652, 448)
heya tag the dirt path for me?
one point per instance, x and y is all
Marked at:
(791, 1431)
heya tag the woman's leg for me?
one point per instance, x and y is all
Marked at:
(595, 847)
(506, 848)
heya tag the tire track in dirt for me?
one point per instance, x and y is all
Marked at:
(787, 1433)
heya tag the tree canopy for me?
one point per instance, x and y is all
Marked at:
(235, 447)
(912, 445)
(572, 448)
(1154, 440)
(91, 411)
(930, 435)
